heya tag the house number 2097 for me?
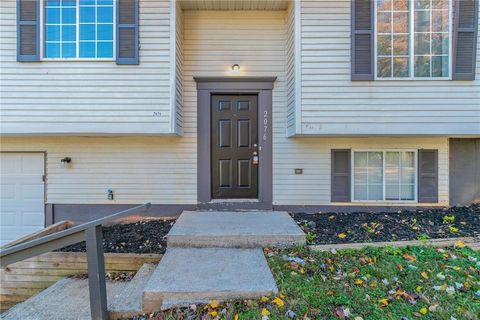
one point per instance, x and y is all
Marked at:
(265, 125)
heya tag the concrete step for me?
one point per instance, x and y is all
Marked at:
(253, 229)
(194, 275)
(128, 302)
(67, 299)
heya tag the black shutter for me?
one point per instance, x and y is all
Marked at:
(465, 39)
(340, 178)
(28, 30)
(362, 54)
(428, 176)
(127, 32)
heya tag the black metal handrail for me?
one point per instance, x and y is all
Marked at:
(91, 232)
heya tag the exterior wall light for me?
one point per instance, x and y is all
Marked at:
(65, 161)
(236, 67)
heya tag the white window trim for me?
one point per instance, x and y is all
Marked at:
(411, 48)
(352, 176)
(78, 59)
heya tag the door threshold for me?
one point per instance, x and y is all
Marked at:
(234, 201)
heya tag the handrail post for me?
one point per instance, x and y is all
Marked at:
(96, 273)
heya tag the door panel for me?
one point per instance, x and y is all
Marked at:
(234, 138)
(22, 195)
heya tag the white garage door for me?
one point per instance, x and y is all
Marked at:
(22, 195)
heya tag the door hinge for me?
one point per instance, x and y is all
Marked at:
(43, 178)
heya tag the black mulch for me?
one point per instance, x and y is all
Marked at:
(327, 228)
(139, 237)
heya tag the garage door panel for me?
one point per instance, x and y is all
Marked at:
(22, 195)
(7, 191)
(32, 192)
(30, 164)
(32, 219)
(9, 219)
(10, 164)
(9, 234)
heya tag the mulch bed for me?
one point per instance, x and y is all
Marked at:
(139, 237)
(332, 228)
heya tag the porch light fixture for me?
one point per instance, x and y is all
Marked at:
(236, 67)
(65, 161)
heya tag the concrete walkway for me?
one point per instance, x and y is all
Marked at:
(67, 299)
(218, 255)
(210, 255)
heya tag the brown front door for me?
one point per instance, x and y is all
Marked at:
(234, 143)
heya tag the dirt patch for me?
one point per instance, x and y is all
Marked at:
(123, 276)
(139, 237)
(329, 228)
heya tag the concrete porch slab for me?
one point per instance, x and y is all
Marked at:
(235, 230)
(192, 275)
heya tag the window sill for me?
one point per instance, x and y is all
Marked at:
(413, 79)
(384, 202)
(77, 60)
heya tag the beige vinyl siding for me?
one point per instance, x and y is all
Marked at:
(138, 169)
(236, 5)
(178, 68)
(332, 104)
(71, 97)
(313, 155)
(164, 169)
(290, 69)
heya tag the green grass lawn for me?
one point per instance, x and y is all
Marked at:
(373, 283)
(385, 283)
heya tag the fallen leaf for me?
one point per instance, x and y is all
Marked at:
(265, 312)
(342, 312)
(279, 302)
(213, 313)
(342, 235)
(408, 257)
(459, 244)
(236, 317)
(400, 267)
(424, 275)
(453, 229)
(440, 276)
(214, 303)
(358, 281)
(264, 299)
(383, 302)
(433, 307)
(291, 314)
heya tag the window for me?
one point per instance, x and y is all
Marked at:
(413, 38)
(79, 29)
(384, 176)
